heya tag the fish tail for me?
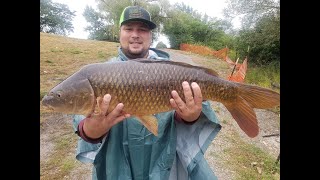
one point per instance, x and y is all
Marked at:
(251, 97)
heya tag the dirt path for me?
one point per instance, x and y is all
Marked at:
(179, 57)
(57, 126)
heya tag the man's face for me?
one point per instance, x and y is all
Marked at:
(135, 39)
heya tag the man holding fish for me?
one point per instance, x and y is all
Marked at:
(122, 146)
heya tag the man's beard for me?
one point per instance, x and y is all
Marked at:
(137, 54)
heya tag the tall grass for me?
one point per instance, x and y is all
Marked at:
(263, 75)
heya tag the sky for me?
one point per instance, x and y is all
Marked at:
(212, 8)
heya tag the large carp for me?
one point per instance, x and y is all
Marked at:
(144, 87)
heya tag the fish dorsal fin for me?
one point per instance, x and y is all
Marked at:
(145, 60)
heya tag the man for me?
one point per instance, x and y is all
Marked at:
(120, 147)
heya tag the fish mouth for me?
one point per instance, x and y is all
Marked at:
(46, 100)
(49, 108)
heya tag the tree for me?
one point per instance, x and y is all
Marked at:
(188, 26)
(55, 18)
(104, 24)
(251, 10)
(260, 29)
(98, 28)
(264, 41)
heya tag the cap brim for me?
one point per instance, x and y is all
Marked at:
(149, 23)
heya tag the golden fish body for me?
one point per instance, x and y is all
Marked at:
(144, 87)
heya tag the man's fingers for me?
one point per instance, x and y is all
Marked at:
(120, 118)
(197, 94)
(117, 114)
(105, 103)
(187, 93)
(98, 110)
(178, 101)
(117, 111)
(174, 105)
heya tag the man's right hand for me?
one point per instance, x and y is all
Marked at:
(100, 123)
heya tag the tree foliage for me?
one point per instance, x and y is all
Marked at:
(182, 24)
(189, 26)
(98, 25)
(104, 23)
(112, 9)
(263, 40)
(55, 18)
(260, 29)
(251, 10)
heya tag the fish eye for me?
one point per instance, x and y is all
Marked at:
(58, 94)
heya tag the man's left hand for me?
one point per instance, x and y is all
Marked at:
(191, 109)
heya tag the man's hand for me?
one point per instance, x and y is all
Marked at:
(100, 123)
(191, 109)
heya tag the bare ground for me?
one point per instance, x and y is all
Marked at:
(57, 126)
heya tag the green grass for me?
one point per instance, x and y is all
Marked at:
(68, 164)
(60, 56)
(263, 75)
(102, 54)
(42, 94)
(75, 51)
(232, 54)
(62, 161)
(246, 159)
(55, 50)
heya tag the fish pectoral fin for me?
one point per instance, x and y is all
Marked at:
(150, 122)
(245, 116)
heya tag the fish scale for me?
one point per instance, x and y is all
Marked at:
(144, 86)
(153, 89)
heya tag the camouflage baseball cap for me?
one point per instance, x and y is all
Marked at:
(136, 13)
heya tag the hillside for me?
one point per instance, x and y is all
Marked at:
(232, 155)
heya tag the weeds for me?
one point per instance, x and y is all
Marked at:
(263, 75)
(62, 161)
(251, 162)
